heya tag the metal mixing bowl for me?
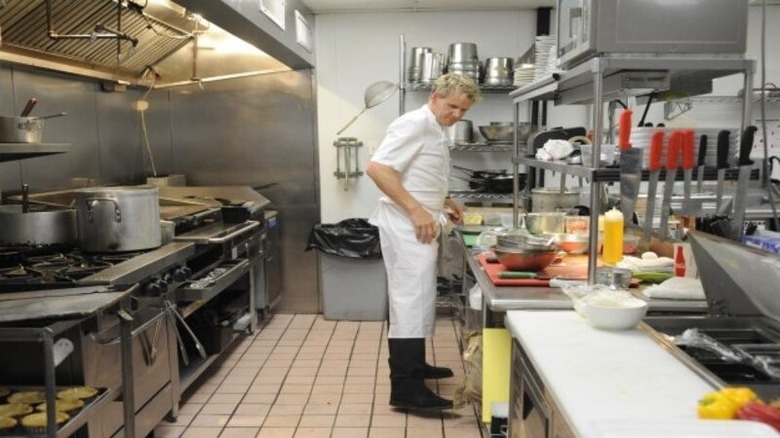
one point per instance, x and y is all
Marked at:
(571, 243)
(518, 260)
(503, 131)
(527, 243)
(546, 222)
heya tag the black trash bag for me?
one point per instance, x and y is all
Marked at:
(354, 238)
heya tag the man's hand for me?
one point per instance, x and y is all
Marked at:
(454, 211)
(425, 227)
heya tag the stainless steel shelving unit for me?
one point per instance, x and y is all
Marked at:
(476, 147)
(604, 78)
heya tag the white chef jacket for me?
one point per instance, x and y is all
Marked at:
(418, 148)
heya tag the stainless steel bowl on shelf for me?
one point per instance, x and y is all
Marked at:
(504, 131)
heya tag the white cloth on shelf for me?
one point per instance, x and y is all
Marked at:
(635, 264)
(554, 150)
(676, 288)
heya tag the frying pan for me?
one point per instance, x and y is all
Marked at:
(481, 174)
(375, 94)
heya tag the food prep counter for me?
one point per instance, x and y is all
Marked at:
(498, 300)
(597, 382)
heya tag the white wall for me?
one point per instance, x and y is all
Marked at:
(356, 50)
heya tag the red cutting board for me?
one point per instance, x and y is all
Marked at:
(568, 269)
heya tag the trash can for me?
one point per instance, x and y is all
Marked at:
(353, 281)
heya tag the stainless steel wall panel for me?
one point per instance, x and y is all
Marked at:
(9, 171)
(258, 131)
(158, 127)
(57, 93)
(120, 138)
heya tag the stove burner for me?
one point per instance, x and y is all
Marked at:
(53, 265)
(19, 275)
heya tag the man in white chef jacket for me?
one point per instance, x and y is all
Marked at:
(411, 168)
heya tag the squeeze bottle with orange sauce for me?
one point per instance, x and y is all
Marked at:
(613, 237)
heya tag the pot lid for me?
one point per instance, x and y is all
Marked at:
(738, 280)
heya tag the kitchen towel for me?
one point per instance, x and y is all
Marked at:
(676, 288)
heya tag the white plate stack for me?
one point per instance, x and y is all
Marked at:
(524, 75)
(545, 55)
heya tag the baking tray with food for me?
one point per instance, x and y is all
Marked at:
(23, 408)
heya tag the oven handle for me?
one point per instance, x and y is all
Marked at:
(251, 226)
(133, 333)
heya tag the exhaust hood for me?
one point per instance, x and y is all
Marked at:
(128, 42)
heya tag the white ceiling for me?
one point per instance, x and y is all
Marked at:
(332, 6)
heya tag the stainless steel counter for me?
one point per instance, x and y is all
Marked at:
(497, 300)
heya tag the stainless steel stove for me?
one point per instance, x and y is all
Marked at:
(209, 268)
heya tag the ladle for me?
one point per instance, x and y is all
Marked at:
(375, 94)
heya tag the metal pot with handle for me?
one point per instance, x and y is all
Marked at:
(37, 226)
(118, 219)
(23, 129)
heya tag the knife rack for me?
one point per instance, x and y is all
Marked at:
(588, 82)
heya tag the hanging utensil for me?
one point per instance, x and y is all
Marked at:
(688, 164)
(722, 164)
(672, 153)
(630, 168)
(375, 94)
(654, 166)
(700, 163)
(29, 107)
(745, 166)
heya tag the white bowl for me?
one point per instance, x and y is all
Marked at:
(617, 315)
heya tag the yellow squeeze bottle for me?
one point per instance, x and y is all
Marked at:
(613, 237)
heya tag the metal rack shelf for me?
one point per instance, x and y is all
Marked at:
(480, 195)
(482, 147)
(685, 75)
(720, 100)
(416, 86)
(20, 151)
(612, 174)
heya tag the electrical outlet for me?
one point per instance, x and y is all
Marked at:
(140, 105)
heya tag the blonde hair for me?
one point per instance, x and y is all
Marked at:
(456, 83)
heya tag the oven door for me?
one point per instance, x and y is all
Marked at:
(152, 364)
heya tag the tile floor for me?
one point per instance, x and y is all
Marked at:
(303, 376)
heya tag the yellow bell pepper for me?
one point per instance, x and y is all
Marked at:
(740, 395)
(717, 406)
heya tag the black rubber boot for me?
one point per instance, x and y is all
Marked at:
(407, 370)
(432, 372)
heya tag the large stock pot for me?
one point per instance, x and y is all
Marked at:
(118, 219)
(37, 226)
